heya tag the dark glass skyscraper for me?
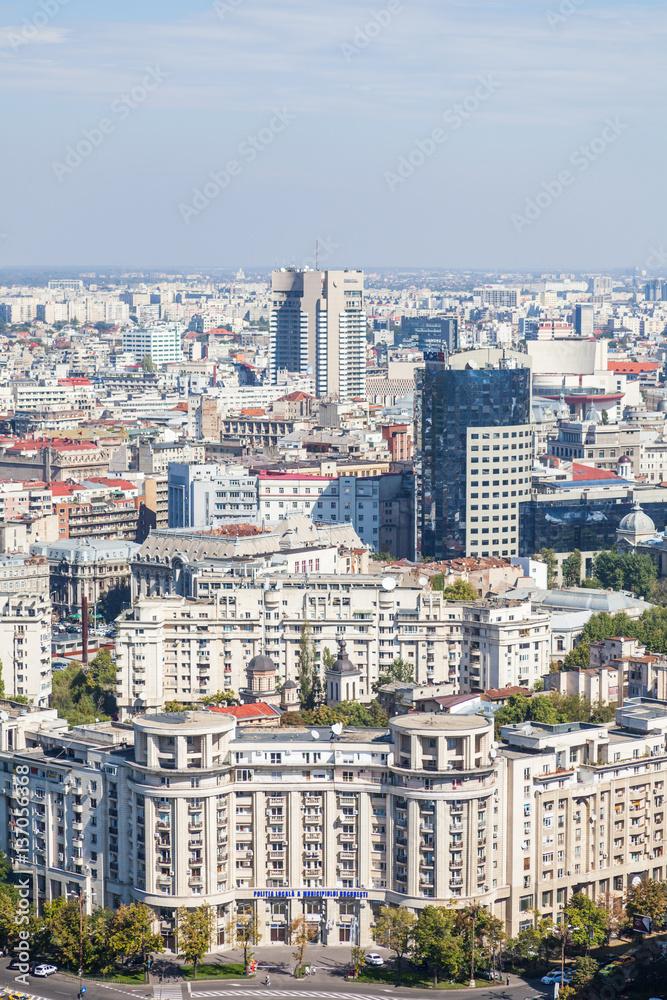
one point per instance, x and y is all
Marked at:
(474, 452)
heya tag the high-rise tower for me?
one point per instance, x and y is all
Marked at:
(474, 452)
(318, 327)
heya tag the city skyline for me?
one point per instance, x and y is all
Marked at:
(477, 141)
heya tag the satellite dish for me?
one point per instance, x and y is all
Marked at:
(337, 728)
(314, 734)
(636, 880)
(388, 583)
(493, 753)
(423, 581)
(495, 744)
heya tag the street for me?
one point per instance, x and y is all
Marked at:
(327, 983)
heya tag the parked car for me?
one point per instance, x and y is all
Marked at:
(555, 977)
(15, 963)
(374, 959)
(44, 970)
(623, 961)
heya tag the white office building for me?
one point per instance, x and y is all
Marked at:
(161, 342)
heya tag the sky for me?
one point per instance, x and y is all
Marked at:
(516, 135)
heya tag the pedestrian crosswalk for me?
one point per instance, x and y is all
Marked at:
(168, 992)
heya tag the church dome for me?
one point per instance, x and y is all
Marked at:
(593, 416)
(637, 522)
(261, 662)
(342, 665)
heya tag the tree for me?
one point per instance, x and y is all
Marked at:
(605, 417)
(195, 930)
(398, 671)
(647, 899)
(132, 933)
(67, 926)
(220, 698)
(585, 970)
(460, 590)
(394, 929)
(174, 706)
(113, 600)
(437, 945)
(358, 959)
(328, 659)
(101, 954)
(541, 708)
(102, 670)
(588, 922)
(310, 687)
(147, 363)
(626, 571)
(245, 930)
(549, 557)
(572, 569)
(301, 932)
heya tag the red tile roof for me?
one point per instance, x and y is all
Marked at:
(632, 367)
(259, 711)
(583, 473)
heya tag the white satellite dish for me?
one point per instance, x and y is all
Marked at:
(388, 583)
(314, 734)
(337, 728)
(636, 880)
(495, 745)
(423, 581)
(493, 753)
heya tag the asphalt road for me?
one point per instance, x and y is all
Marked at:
(283, 987)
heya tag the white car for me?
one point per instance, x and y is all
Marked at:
(374, 959)
(44, 970)
(554, 977)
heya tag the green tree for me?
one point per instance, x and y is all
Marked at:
(585, 970)
(460, 590)
(358, 959)
(647, 899)
(80, 696)
(541, 708)
(588, 922)
(626, 571)
(174, 706)
(102, 957)
(328, 659)
(605, 417)
(394, 929)
(549, 557)
(147, 363)
(245, 930)
(113, 601)
(132, 933)
(437, 945)
(310, 687)
(195, 931)
(102, 670)
(572, 569)
(67, 925)
(398, 671)
(220, 698)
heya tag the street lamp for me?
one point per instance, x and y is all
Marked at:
(474, 910)
(564, 931)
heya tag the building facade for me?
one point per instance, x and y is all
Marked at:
(318, 327)
(185, 807)
(474, 453)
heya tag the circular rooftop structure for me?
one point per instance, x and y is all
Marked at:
(637, 522)
(261, 662)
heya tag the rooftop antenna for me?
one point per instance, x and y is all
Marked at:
(317, 255)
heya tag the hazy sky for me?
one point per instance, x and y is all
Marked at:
(315, 106)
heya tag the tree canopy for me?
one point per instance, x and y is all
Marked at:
(626, 571)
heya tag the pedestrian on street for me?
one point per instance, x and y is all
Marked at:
(507, 981)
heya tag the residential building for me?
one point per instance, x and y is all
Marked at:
(200, 496)
(161, 342)
(474, 453)
(318, 326)
(153, 507)
(427, 811)
(584, 319)
(25, 628)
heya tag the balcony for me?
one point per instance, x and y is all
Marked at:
(456, 864)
